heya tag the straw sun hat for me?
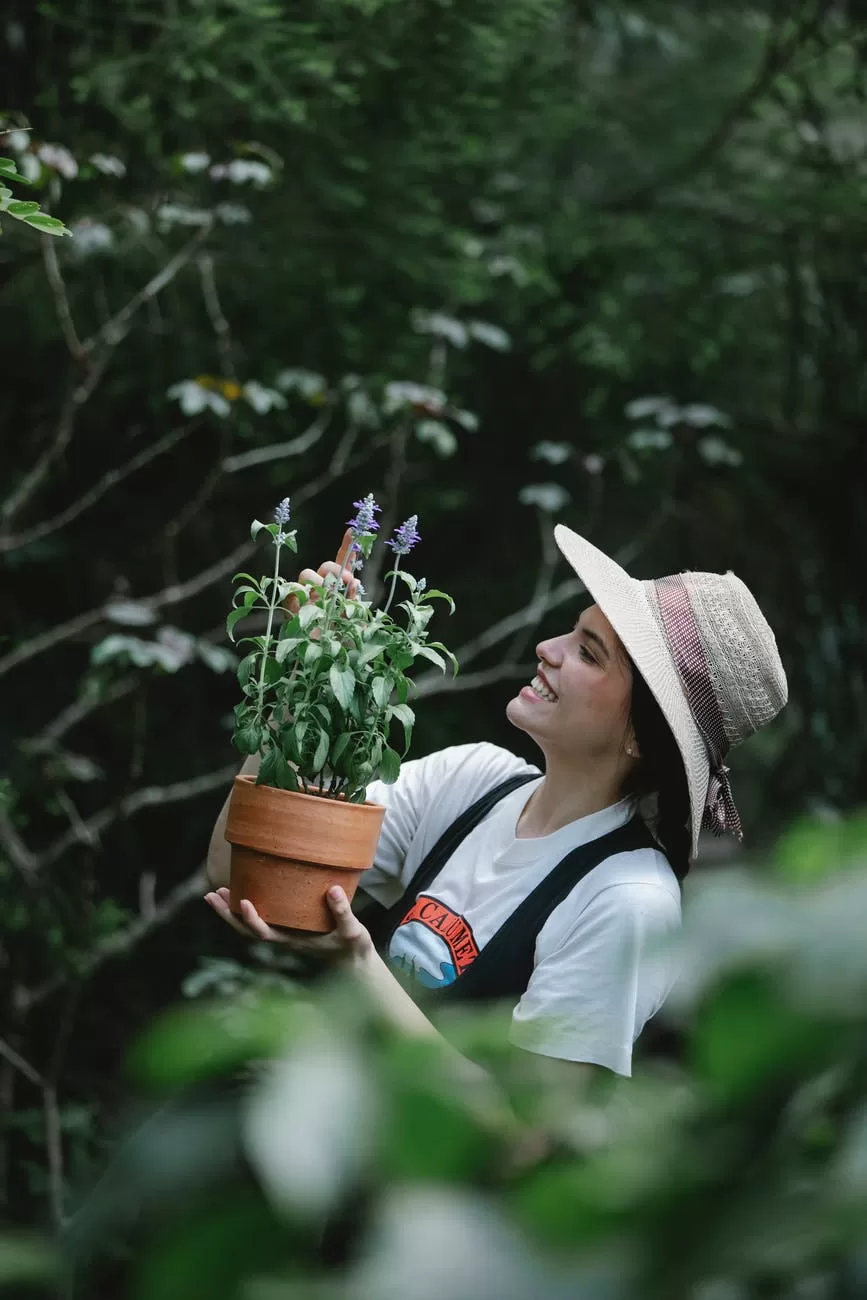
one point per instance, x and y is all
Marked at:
(708, 656)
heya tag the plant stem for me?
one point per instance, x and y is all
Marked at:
(393, 582)
(271, 607)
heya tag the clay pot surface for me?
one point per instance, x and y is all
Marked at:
(289, 849)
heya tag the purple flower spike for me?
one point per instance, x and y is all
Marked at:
(364, 521)
(281, 514)
(405, 537)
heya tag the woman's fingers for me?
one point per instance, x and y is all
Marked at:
(221, 907)
(260, 928)
(349, 929)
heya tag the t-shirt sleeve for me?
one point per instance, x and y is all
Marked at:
(589, 998)
(428, 794)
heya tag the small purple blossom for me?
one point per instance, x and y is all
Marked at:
(405, 537)
(280, 538)
(364, 521)
(281, 514)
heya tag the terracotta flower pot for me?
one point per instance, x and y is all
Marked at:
(289, 849)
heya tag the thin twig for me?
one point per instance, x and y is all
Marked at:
(74, 713)
(17, 1061)
(295, 447)
(62, 436)
(90, 498)
(120, 943)
(54, 1151)
(17, 851)
(116, 329)
(216, 315)
(61, 299)
(147, 797)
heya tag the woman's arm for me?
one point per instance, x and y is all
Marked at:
(219, 850)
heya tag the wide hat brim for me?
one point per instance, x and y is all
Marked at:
(623, 601)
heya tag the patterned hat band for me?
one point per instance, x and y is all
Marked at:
(687, 651)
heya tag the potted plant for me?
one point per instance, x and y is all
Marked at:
(323, 688)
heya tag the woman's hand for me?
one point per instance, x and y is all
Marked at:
(330, 567)
(348, 941)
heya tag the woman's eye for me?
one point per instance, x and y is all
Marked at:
(585, 654)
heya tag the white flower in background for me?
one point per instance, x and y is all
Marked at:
(642, 407)
(491, 335)
(179, 214)
(506, 265)
(263, 399)
(700, 416)
(194, 162)
(59, 158)
(466, 419)
(241, 170)
(29, 166)
(441, 326)
(438, 435)
(233, 214)
(17, 141)
(649, 440)
(594, 464)
(549, 497)
(195, 398)
(555, 453)
(403, 393)
(91, 236)
(108, 164)
(714, 451)
(307, 383)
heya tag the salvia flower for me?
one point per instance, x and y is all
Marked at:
(281, 514)
(405, 537)
(364, 520)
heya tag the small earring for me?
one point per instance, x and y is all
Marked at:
(629, 750)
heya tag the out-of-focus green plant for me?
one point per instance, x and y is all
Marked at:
(739, 1171)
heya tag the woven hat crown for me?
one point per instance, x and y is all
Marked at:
(743, 661)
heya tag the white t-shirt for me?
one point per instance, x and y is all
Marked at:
(600, 970)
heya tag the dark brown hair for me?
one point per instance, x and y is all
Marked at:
(660, 771)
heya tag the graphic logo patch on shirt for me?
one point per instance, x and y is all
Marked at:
(455, 932)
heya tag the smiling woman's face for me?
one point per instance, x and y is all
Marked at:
(577, 708)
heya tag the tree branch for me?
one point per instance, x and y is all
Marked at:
(18, 1063)
(17, 851)
(88, 831)
(61, 299)
(120, 943)
(295, 447)
(117, 328)
(63, 434)
(90, 498)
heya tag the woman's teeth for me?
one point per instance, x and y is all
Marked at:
(542, 690)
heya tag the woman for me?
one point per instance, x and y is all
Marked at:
(559, 890)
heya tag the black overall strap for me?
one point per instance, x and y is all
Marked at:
(383, 921)
(505, 964)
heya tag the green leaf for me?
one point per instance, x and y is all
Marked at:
(308, 614)
(248, 739)
(389, 767)
(245, 668)
(321, 753)
(10, 172)
(284, 648)
(342, 684)
(312, 652)
(435, 594)
(233, 618)
(381, 690)
(22, 209)
(427, 653)
(256, 528)
(48, 225)
(339, 747)
(268, 770)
